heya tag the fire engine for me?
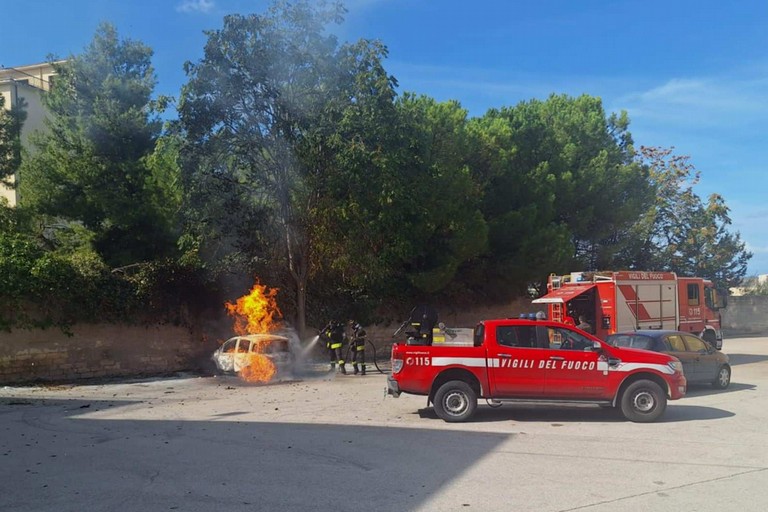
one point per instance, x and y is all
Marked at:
(629, 300)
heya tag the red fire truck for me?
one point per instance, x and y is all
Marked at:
(629, 300)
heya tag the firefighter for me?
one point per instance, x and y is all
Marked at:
(357, 347)
(334, 340)
(584, 324)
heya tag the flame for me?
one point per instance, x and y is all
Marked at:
(260, 368)
(256, 312)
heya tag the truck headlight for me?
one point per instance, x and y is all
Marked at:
(397, 365)
(676, 366)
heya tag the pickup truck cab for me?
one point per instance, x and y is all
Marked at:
(515, 360)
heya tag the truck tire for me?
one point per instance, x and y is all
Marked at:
(455, 401)
(709, 337)
(643, 401)
(723, 377)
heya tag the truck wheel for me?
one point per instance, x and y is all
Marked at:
(643, 401)
(723, 377)
(455, 401)
(709, 337)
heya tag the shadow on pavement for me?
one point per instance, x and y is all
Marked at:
(676, 412)
(61, 456)
(737, 359)
(707, 389)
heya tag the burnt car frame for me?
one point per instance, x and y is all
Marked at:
(234, 354)
(702, 362)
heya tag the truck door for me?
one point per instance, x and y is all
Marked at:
(574, 370)
(515, 362)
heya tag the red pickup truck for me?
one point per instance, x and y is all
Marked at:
(515, 360)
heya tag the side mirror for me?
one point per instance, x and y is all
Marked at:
(595, 347)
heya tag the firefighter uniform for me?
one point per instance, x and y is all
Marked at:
(334, 341)
(357, 347)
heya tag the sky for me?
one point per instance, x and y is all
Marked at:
(692, 75)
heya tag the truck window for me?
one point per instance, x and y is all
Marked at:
(568, 340)
(715, 299)
(693, 295)
(506, 335)
(525, 336)
(479, 334)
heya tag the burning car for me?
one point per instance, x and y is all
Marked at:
(256, 357)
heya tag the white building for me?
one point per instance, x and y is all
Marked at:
(749, 284)
(23, 86)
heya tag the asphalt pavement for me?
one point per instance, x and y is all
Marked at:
(332, 442)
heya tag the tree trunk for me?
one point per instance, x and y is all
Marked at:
(301, 309)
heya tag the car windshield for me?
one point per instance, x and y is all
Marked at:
(631, 341)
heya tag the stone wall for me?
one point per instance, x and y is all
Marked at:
(99, 351)
(106, 351)
(746, 314)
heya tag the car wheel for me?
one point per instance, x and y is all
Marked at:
(723, 377)
(643, 401)
(455, 401)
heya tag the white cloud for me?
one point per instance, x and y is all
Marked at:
(203, 6)
(722, 100)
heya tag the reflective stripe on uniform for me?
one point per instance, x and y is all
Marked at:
(336, 345)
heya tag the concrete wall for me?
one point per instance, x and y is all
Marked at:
(746, 314)
(98, 351)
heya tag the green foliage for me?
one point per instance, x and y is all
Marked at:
(683, 234)
(260, 113)
(96, 162)
(11, 122)
(294, 160)
(41, 288)
(176, 292)
(442, 219)
(560, 189)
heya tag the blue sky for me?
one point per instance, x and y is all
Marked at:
(691, 74)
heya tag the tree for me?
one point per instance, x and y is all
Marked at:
(446, 228)
(91, 163)
(683, 234)
(560, 187)
(10, 141)
(404, 212)
(259, 112)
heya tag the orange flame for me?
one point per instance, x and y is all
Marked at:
(256, 312)
(259, 369)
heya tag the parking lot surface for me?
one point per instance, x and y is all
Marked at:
(335, 442)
